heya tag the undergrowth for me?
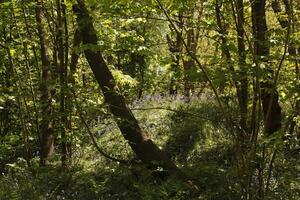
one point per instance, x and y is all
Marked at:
(195, 136)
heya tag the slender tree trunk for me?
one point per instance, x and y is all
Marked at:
(142, 68)
(47, 132)
(62, 71)
(67, 118)
(175, 48)
(239, 79)
(144, 147)
(189, 64)
(71, 80)
(243, 87)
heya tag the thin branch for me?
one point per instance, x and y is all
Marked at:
(270, 170)
(102, 152)
(176, 111)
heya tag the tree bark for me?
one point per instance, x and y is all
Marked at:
(144, 147)
(269, 94)
(47, 131)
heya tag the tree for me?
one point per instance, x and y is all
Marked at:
(243, 86)
(269, 94)
(289, 23)
(46, 127)
(175, 48)
(144, 147)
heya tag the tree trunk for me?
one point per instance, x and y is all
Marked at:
(243, 87)
(239, 79)
(175, 48)
(71, 80)
(47, 132)
(189, 64)
(61, 66)
(269, 94)
(144, 147)
(142, 68)
(284, 23)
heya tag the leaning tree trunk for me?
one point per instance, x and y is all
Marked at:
(269, 94)
(144, 147)
(47, 132)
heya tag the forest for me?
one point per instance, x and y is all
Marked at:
(149, 99)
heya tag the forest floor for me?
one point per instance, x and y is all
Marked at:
(194, 134)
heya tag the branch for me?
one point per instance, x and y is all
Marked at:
(270, 170)
(103, 153)
(176, 111)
